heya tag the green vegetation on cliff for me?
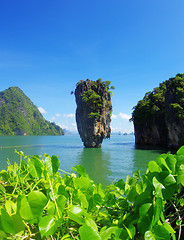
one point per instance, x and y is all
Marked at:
(19, 116)
(154, 103)
(93, 97)
(36, 202)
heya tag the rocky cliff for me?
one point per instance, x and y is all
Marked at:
(93, 113)
(19, 116)
(159, 117)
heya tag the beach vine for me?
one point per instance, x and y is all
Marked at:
(38, 202)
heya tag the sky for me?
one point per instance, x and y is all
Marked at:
(46, 47)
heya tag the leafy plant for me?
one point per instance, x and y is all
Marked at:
(36, 202)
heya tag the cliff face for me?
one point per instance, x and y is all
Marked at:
(93, 113)
(159, 118)
(151, 132)
(19, 116)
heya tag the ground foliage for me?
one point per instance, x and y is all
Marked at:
(36, 202)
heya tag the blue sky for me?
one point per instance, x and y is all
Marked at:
(46, 47)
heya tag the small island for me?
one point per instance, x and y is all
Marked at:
(93, 113)
(159, 117)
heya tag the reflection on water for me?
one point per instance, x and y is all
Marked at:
(144, 154)
(96, 163)
(117, 158)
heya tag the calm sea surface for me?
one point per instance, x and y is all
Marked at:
(117, 158)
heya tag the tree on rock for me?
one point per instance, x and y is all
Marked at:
(93, 113)
(159, 117)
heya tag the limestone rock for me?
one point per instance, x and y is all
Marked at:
(93, 113)
(159, 117)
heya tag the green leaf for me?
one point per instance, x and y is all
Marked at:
(132, 194)
(168, 180)
(135, 178)
(180, 178)
(158, 187)
(91, 223)
(83, 199)
(171, 163)
(51, 208)
(37, 201)
(7, 222)
(105, 235)
(140, 187)
(131, 230)
(47, 225)
(157, 210)
(144, 223)
(170, 230)
(18, 223)
(52, 164)
(180, 151)
(35, 167)
(88, 233)
(61, 201)
(144, 208)
(97, 199)
(76, 214)
(153, 167)
(10, 207)
(24, 208)
(82, 183)
(161, 232)
(4, 174)
(2, 189)
(149, 236)
(2, 235)
(81, 170)
(120, 184)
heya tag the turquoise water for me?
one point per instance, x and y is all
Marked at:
(117, 158)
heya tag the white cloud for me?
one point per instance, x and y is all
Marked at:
(114, 116)
(121, 115)
(70, 115)
(124, 116)
(58, 115)
(42, 110)
(53, 118)
(71, 127)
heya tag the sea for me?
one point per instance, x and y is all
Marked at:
(117, 158)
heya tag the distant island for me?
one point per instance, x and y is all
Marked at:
(19, 116)
(122, 133)
(159, 117)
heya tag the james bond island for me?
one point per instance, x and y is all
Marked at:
(94, 109)
(159, 117)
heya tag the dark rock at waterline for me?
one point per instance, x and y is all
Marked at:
(93, 113)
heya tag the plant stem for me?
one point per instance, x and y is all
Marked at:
(179, 234)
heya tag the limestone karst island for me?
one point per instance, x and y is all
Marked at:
(94, 109)
(19, 116)
(159, 117)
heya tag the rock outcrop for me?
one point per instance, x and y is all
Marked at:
(159, 118)
(93, 113)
